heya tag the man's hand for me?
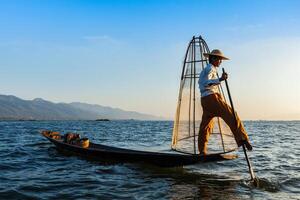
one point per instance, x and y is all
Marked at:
(223, 77)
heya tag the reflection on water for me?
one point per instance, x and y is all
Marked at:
(32, 168)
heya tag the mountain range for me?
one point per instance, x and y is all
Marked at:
(14, 108)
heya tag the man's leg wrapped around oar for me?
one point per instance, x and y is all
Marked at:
(214, 106)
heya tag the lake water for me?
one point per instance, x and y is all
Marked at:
(31, 168)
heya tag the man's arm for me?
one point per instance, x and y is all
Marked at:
(211, 77)
(223, 77)
(217, 81)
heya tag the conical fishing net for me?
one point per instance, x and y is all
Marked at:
(189, 109)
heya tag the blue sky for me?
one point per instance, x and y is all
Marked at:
(128, 54)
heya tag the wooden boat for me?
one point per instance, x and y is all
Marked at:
(121, 155)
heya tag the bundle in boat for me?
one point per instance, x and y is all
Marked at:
(68, 138)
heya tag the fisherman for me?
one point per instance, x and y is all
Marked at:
(214, 106)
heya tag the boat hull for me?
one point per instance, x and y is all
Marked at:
(120, 155)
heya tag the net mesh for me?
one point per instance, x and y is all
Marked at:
(189, 110)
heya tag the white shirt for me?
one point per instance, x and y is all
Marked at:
(208, 80)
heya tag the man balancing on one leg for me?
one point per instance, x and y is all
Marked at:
(214, 106)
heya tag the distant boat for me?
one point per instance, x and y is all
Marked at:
(102, 120)
(26, 120)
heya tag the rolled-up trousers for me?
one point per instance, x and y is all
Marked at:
(214, 106)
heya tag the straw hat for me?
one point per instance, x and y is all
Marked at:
(216, 52)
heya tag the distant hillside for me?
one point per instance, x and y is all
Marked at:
(14, 108)
(112, 113)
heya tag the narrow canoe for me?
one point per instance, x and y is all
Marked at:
(121, 155)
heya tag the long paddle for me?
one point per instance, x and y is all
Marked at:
(253, 178)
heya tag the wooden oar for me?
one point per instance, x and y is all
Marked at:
(253, 178)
